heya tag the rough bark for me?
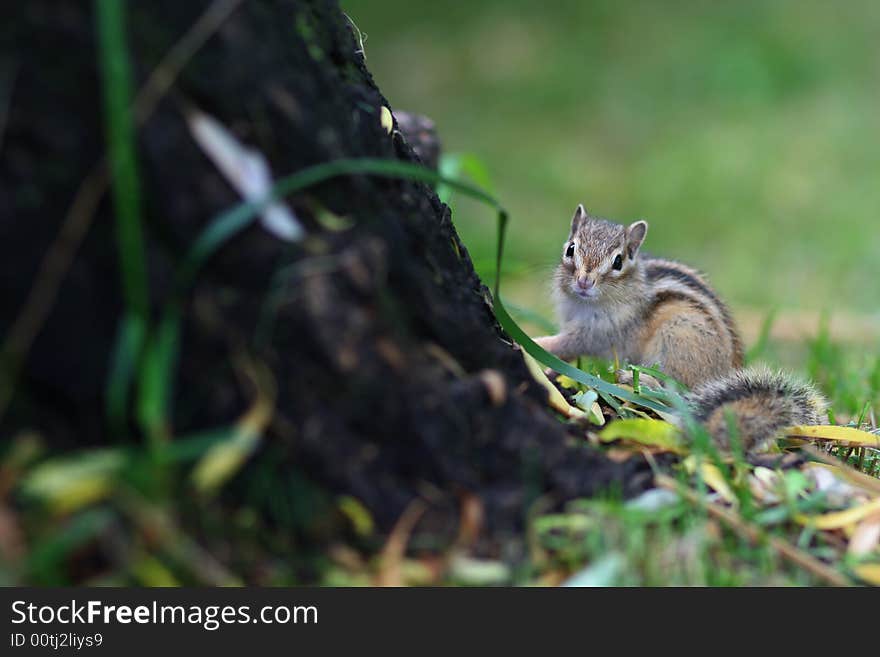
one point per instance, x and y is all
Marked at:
(382, 332)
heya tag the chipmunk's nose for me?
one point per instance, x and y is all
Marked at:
(585, 283)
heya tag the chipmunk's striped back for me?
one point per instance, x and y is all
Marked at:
(672, 281)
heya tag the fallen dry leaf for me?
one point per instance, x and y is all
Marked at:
(247, 170)
(840, 519)
(866, 536)
(835, 433)
(713, 478)
(644, 431)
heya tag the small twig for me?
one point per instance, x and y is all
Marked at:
(757, 535)
(395, 547)
(164, 75)
(472, 518)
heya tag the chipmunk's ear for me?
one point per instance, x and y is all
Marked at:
(580, 215)
(635, 235)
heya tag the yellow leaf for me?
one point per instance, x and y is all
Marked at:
(869, 572)
(357, 513)
(225, 458)
(567, 382)
(838, 519)
(69, 483)
(715, 479)
(653, 433)
(82, 494)
(222, 460)
(830, 432)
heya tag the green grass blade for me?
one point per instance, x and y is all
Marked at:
(459, 165)
(157, 380)
(117, 88)
(129, 345)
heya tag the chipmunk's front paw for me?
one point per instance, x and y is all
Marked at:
(546, 342)
(625, 377)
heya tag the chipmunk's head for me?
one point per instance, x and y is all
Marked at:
(599, 257)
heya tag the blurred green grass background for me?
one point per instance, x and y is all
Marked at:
(745, 133)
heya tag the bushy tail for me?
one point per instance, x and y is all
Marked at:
(762, 402)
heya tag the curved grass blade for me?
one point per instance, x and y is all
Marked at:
(155, 383)
(130, 340)
(458, 165)
(233, 221)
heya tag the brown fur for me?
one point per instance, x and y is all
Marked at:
(759, 402)
(659, 270)
(684, 338)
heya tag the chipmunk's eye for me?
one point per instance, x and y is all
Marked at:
(569, 252)
(618, 263)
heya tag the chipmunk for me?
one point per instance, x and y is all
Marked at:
(618, 304)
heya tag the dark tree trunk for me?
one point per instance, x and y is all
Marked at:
(382, 334)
